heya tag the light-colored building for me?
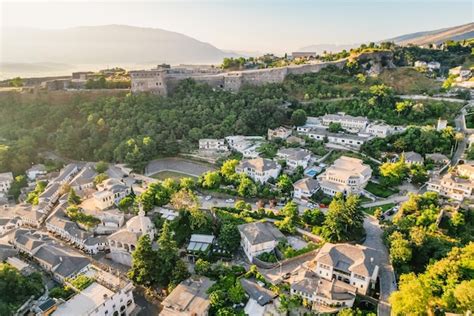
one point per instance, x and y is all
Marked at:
(457, 185)
(324, 296)
(348, 122)
(295, 157)
(303, 55)
(305, 188)
(441, 124)
(420, 64)
(29, 215)
(110, 193)
(6, 180)
(188, 298)
(433, 65)
(352, 264)
(259, 237)
(8, 224)
(280, 132)
(347, 175)
(123, 242)
(35, 171)
(413, 158)
(259, 169)
(343, 139)
(381, 130)
(438, 158)
(462, 72)
(84, 179)
(213, 144)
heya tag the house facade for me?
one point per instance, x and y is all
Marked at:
(295, 157)
(212, 144)
(347, 175)
(305, 188)
(259, 237)
(6, 180)
(259, 169)
(280, 132)
(348, 122)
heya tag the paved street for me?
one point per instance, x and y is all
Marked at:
(393, 199)
(386, 273)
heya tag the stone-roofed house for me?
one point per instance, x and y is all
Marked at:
(454, 185)
(110, 192)
(35, 171)
(353, 264)
(343, 139)
(295, 157)
(29, 214)
(324, 296)
(348, 122)
(257, 292)
(413, 158)
(123, 242)
(188, 298)
(438, 158)
(347, 175)
(7, 224)
(259, 169)
(67, 173)
(280, 132)
(305, 188)
(6, 180)
(259, 237)
(84, 178)
(29, 241)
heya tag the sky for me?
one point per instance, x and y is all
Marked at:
(250, 25)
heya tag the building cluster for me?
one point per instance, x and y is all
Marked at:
(457, 184)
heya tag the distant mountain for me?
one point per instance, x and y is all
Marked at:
(455, 33)
(334, 48)
(105, 45)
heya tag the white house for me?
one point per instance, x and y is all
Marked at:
(213, 144)
(35, 171)
(6, 180)
(348, 122)
(420, 64)
(123, 242)
(259, 169)
(7, 224)
(295, 157)
(84, 179)
(457, 185)
(381, 130)
(280, 132)
(259, 237)
(110, 192)
(352, 264)
(466, 170)
(240, 143)
(346, 175)
(344, 139)
(305, 188)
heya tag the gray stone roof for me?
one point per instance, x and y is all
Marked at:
(85, 176)
(348, 258)
(260, 232)
(306, 184)
(262, 295)
(258, 164)
(61, 260)
(412, 156)
(294, 153)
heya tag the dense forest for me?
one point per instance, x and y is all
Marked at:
(137, 128)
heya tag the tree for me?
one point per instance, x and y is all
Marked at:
(144, 270)
(378, 212)
(126, 204)
(400, 250)
(228, 170)
(217, 299)
(101, 167)
(167, 255)
(202, 267)
(187, 183)
(298, 117)
(285, 184)
(236, 293)
(412, 298)
(242, 205)
(335, 127)
(185, 200)
(313, 217)
(290, 210)
(211, 180)
(246, 187)
(73, 198)
(101, 177)
(229, 237)
(180, 273)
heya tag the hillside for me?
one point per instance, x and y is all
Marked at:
(61, 50)
(455, 33)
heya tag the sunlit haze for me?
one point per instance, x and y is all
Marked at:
(250, 25)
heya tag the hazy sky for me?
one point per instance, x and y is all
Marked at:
(251, 25)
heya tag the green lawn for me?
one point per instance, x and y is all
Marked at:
(385, 207)
(162, 175)
(380, 191)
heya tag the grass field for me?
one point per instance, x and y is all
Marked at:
(171, 174)
(407, 80)
(380, 191)
(385, 207)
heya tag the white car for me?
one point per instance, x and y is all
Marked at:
(207, 198)
(230, 201)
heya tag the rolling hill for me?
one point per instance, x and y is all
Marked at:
(456, 33)
(102, 45)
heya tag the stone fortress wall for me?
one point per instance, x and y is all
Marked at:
(163, 81)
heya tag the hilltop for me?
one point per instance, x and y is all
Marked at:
(456, 33)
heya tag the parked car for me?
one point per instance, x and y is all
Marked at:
(230, 201)
(207, 198)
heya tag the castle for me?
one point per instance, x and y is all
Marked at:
(163, 79)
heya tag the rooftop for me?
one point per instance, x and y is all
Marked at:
(259, 164)
(6, 176)
(306, 184)
(84, 302)
(260, 232)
